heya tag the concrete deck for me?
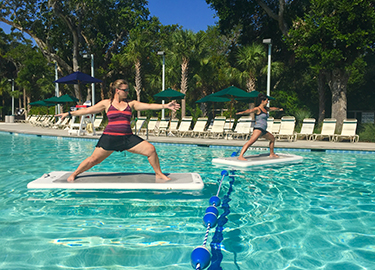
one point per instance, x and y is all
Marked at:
(300, 144)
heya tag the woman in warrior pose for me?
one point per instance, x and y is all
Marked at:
(118, 135)
(260, 127)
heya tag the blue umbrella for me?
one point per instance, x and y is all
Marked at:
(78, 78)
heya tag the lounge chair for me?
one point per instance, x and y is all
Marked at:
(276, 126)
(46, 121)
(348, 131)
(184, 127)
(152, 126)
(244, 128)
(163, 126)
(328, 130)
(97, 122)
(199, 127)
(307, 129)
(172, 130)
(61, 123)
(287, 129)
(228, 126)
(270, 124)
(217, 130)
(139, 124)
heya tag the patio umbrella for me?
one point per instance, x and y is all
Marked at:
(63, 99)
(254, 95)
(77, 78)
(41, 103)
(233, 92)
(169, 94)
(212, 98)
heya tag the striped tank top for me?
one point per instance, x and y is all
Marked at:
(118, 121)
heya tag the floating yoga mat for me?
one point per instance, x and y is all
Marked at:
(258, 160)
(117, 180)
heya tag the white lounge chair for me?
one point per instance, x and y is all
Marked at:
(199, 127)
(97, 122)
(217, 130)
(229, 126)
(307, 129)
(163, 126)
(139, 124)
(244, 128)
(270, 124)
(349, 127)
(152, 126)
(276, 126)
(287, 129)
(172, 130)
(184, 127)
(328, 130)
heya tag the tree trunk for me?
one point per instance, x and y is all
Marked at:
(338, 82)
(251, 87)
(322, 96)
(184, 80)
(138, 82)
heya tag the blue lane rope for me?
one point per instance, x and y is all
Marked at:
(201, 256)
(217, 239)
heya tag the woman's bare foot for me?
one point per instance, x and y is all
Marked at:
(242, 158)
(71, 178)
(161, 178)
(273, 156)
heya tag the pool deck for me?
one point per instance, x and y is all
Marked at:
(25, 128)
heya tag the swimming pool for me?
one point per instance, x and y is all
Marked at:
(319, 214)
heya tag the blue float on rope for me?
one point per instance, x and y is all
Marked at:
(215, 201)
(201, 257)
(212, 209)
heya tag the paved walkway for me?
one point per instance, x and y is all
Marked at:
(300, 144)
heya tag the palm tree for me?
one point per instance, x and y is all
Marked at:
(186, 45)
(137, 48)
(251, 59)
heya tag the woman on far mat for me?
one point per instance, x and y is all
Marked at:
(260, 127)
(118, 135)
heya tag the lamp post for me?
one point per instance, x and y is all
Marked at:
(163, 79)
(269, 42)
(12, 80)
(86, 55)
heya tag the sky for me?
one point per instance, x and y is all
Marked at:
(192, 15)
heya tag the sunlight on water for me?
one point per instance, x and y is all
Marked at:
(319, 214)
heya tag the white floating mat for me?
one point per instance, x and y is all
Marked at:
(258, 160)
(117, 180)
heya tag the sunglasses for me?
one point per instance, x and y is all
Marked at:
(126, 89)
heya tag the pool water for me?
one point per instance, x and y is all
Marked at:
(319, 214)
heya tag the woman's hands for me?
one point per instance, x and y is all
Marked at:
(173, 105)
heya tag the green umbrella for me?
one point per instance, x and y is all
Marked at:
(41, 103)
(63, 99)
(169, 94)
(254, 95)
(212, 98)
(233, 92)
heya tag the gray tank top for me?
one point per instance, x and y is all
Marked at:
(261, 120)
